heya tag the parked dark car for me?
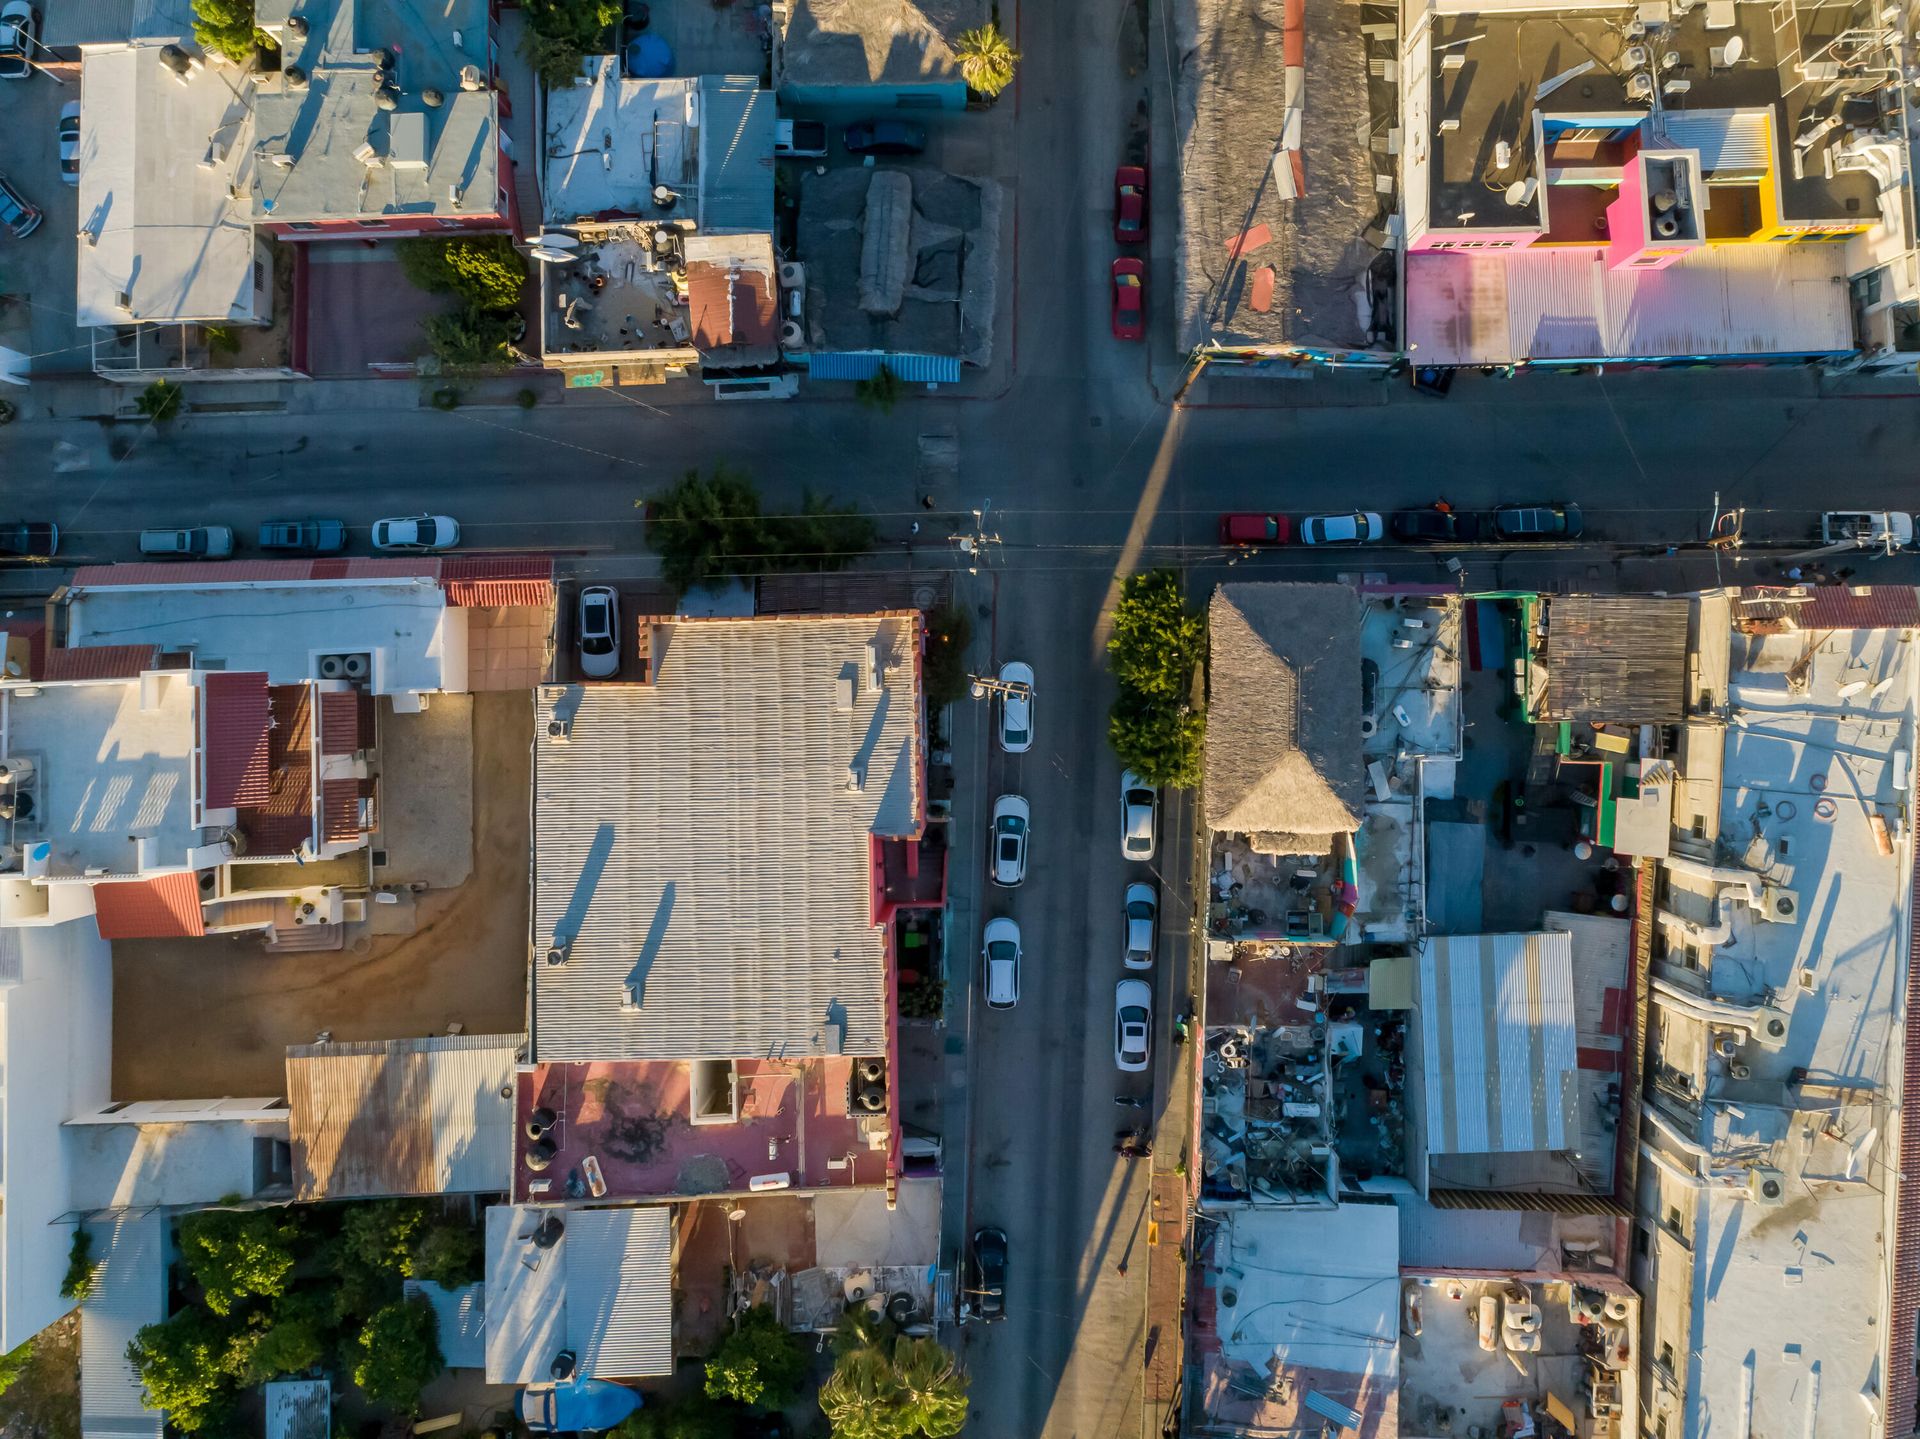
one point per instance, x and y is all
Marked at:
(1538, 522)
(1433, 527)
(885, 137)
(308, 537)
(1130, 218)
(988, 1282)
(32, 539)
(20, 216)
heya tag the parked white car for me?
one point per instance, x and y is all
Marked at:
(598, 632)
(1010, 820)
(1143, 925)
(1362, 527)
(416, 532)
(1139, 816)
(1016, 707)
(1001, 949)
(1132, 1024)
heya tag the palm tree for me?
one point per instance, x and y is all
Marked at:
(935, 1392)
(863, 1399)
(986, 60)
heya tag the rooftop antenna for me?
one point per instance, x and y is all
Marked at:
(1553, 82)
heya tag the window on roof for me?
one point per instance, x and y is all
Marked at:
(303, 224)
(371, 224)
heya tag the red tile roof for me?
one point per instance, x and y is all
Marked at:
(1836, 607)
(339, 722)
(279, 823)
(165, 907)
(236, 721)
(340, 810)
(34, 632)
(725, 310)
(98, 662)
(494, 581)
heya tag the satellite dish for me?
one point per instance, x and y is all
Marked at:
(1517, 193)
(1735, 48)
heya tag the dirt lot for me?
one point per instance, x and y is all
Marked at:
(207, 1018)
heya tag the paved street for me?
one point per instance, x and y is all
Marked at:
(1091, 473)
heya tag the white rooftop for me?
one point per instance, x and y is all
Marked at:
(192, 1160)
(417, 642)
(159, 158)
(1566, 305)
(1789, 1309)
(113, 771)
(611, 139)
(603, 1289)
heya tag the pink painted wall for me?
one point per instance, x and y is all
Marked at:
(1627, 247)
(1474, 242)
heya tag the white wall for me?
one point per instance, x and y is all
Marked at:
(57, 1028)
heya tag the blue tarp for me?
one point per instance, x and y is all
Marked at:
(649, 57)
(576, 1406)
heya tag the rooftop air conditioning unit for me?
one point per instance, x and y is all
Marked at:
(793, 275)
(1766, 1185)
(1770, 1028)
(559, 730)
(333, 667)
(1780, 906)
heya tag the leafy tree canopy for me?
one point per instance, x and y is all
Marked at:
(761, 1363)
(987, 60)
(297, 1334)
(483, 270)
(188, 1366)
(397, 1353)
(1157, 640)
(236, 1255)
(226, 28)
(1160, 741)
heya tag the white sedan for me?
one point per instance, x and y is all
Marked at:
(1143, 921)
(1010, 819)
(1139, 813)
(1362, 527)
(416, 532)
(1000, 948)
(1132, 1021)
(599, 632)
(1016, 707)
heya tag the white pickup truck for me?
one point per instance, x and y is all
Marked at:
(1887, 530)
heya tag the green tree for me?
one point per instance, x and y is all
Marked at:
(761, 1363)
(226, 27)
(236, 1255)
(449, 1253)
(13, 1364)
(297, 1334)
(694, 1417)
(823, 536)
(485, 271)
(933, 1388)
(188, 1366)
(880, 392)
(1157, 640)
(949, 632)
(707, 527)
(78, 1283)
(863, 1398)
(560, 33)
(986, 59)
(1159, 741)
(397, 1353)
(159, 402)
(471, 338)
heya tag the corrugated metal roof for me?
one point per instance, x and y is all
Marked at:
(620, 1290)
(462, 1314)
(1497, 1043)
(865, 364)
(736, 156)
(1618, 659)
(1733, 145)
(405, 1116)
(698, 850)
(235, 719)
(498, 580)
(166, 906)
(129, 1293)
(98, 662)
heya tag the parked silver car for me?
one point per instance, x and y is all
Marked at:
(598, 634)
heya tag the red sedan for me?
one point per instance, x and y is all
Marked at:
(1247, 529)
(1130, 205)
(1129, 300)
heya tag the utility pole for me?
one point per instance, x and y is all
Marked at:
(974, 545)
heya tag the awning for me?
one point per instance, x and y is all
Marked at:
(865, 364)
(1390, 983)
(166, 907)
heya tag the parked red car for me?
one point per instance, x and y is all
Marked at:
(1249, 529)
(1130, 205)
(1129, 300)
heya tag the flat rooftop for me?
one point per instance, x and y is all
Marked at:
(159, 158)
(1509, 55)
(1809, 763)
(1255, 266)
(863, 42)
(311, 140)
(704, 842)
(610, 139)
(636, 1120)
(405, 624)
(598, 1282)
(113, 781)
